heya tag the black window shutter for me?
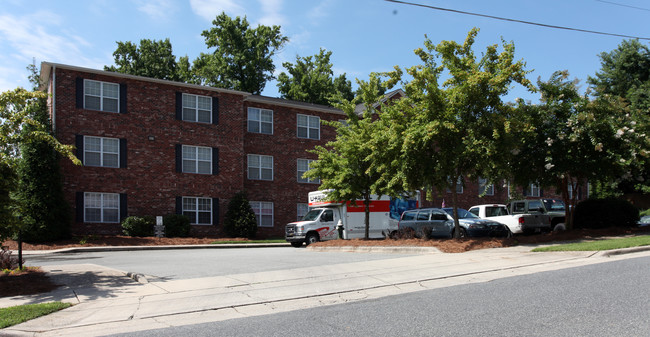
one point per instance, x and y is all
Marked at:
(123, 98)
(79, 92)
(541, 192)
(215, 160)
(79, 205)
(179, 205)
(526, 190)
(215, 211)
(79, 143)
(179, 105)
(215, 110)
(123, 206)
(122, 153)
(179, 158)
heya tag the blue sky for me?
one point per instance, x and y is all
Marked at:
(364, 35)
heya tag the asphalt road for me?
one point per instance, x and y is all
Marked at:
(606, 299)
(195, 263)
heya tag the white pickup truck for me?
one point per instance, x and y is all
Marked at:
(517, 223)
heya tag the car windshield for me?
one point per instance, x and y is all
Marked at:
(462, 213)
(312, 215)
(554, 205)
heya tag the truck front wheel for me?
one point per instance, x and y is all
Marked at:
(311, 238)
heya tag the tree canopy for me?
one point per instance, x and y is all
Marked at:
(458, 128)
(311, 80)
(150, 59)
(242, 59)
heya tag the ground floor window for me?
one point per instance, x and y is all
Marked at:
(198, 210)
(101, 207)
(263, 212)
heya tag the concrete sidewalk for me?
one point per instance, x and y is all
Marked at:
(115, 303)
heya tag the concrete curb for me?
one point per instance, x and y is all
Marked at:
(163, 247)
(614, 252)
(378, 249)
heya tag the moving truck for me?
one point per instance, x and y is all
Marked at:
(320, 223)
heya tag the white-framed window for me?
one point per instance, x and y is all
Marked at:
(101, 207)
(197, 108)
(101, 151)
(102, 96)
(197, 159)
(459, 185)
(484, 188)
(570, 190)
(260, 167)
(308, 127)
(303, 166)
(533, 190)
(263, 213)
(301, 210)
(198, 210)
(260, 121)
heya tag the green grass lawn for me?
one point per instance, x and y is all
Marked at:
(250, 241)
(21, 313)
(599, 245)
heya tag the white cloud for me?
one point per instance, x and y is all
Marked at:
(319, 12)
(209, 9)
(271, 13)
(156, 9)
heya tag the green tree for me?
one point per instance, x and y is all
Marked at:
(152, 58)
(242, 59)
(311, 80)
(574, 140)
(345, 164)
(460, 128)
(625, 72)
(44, 212)
(240, 220)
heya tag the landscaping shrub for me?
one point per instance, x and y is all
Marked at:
(240, 219)
(138, 226)
(644, 213)
(176, 225)
(603, 213)
(8, 262)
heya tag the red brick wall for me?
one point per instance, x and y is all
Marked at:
(150, 179)
(284, 191)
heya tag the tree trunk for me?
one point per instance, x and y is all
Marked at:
(454, 204)
(20, 250)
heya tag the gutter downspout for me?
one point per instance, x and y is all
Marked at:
(54, 100)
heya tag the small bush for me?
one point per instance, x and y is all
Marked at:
(240, 219)
(138, 226)
(603, 213)
(8, 262)
(644, 213)
(176, 225)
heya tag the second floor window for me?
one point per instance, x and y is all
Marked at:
(308, 127)
(260, 121)
(197, 108)
(483, 187)
(100, 151)
(260, 167)
(102, 96)
(303, 166)
(197, 159)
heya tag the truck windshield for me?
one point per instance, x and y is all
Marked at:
(554, 205)
(312, 215)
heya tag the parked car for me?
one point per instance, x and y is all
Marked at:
(644, 221)
(473, 226)
(554, 208)
(517, 223)
(427, 222)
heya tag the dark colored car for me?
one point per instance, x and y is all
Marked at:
(427, 222)
(473, 226)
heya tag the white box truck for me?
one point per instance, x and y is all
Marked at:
(320, 223)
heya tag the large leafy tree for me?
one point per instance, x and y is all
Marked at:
(345, 164)
(242, 58)
(574, 140)
(625, 72)
(311, 80)
(460, 127)
(152, 58)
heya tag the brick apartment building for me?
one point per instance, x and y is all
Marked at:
(155, 147)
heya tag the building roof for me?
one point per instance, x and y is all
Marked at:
(293, 104)
(360, 108)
